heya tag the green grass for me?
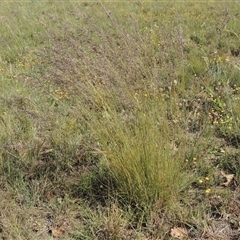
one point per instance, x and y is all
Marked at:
(119, 121)
(146, 168)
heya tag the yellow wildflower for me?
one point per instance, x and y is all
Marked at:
(208, 191)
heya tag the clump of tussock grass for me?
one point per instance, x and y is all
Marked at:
(139, 153)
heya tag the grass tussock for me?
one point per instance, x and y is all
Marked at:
(139, 153)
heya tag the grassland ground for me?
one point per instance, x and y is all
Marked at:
(119, 120)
